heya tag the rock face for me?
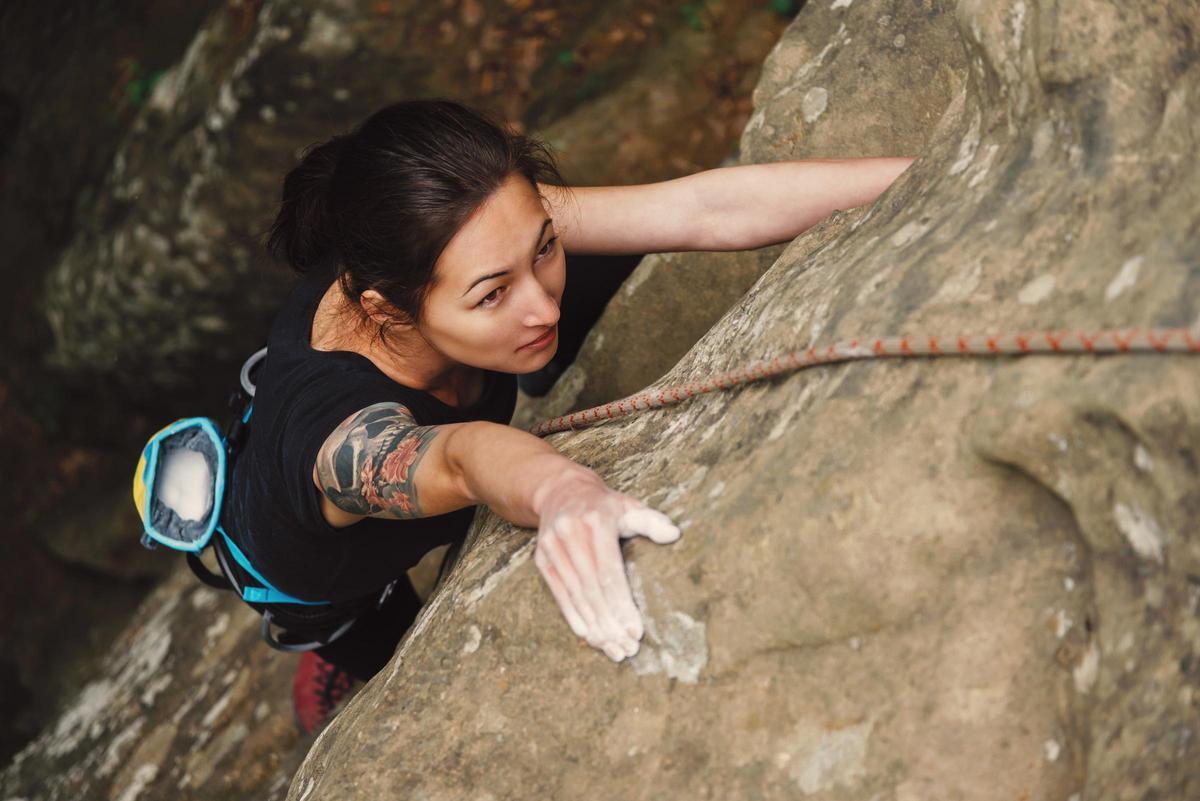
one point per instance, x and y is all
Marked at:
(188, 704)
(954, 578)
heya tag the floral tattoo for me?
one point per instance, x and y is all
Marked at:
(367, 466)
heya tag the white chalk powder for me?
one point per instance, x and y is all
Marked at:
(185, 485)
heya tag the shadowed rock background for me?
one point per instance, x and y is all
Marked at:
(972, 578)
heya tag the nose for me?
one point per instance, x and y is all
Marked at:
(543, 311)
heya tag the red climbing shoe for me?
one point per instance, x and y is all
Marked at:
(317, 688)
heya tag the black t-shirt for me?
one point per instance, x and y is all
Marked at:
(273, 510)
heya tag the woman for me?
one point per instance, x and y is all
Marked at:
(433, 246)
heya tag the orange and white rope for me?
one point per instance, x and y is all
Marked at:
(1129, 340)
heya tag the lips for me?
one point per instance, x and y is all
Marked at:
(543, 339)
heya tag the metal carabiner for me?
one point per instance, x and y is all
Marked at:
(249, 365)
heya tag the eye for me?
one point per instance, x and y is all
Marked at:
(483, 303)
(546, 250)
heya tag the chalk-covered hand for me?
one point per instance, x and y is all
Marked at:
(578, 552)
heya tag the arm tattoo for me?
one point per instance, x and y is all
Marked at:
(368, 464)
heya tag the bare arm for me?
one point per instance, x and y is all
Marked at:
(380, 463)
(741, 207)
(662, 217)
(754, 205)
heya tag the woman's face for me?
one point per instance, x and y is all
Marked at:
(500, 283)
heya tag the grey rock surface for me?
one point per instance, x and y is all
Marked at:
(899, 579)
(188, 704)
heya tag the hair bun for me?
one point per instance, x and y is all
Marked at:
(300, 235)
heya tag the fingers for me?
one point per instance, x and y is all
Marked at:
(561, 596)
(650, 523)
(579, 555)
(552, 548)
(617, 643)
(610, 570)
(568, 549)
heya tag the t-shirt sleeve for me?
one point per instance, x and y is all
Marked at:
(316, 409)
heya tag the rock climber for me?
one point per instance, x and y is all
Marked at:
(434, 244)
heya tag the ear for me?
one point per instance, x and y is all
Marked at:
(381, 310)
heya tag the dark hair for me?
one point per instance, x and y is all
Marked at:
(383, 200)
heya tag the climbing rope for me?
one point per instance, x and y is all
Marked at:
(1131, 340)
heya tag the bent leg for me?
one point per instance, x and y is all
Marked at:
(370, 643)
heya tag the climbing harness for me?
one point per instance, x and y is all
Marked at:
(179, 488)
(1129, 340)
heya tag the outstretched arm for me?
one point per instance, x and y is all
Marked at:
(755, 205)
(728, 208)
(378, 462)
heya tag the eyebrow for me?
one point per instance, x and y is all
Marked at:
(482, 278)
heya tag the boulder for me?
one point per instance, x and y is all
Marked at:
(898, 579)
(188, 703)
